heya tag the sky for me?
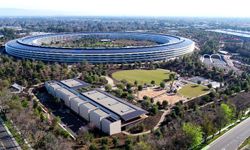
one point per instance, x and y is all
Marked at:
(193, 8)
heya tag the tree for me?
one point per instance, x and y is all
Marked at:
(130, 97)
(199, 82)
(105, 147)
(115, 141)
(208, 127)
(118, 92)
(224, 115)
(155, 109)
(128, 144)
(139, 87)
(227, 112)
(55, 122)
(145, 97)
(158, 104)
(206, 98)
(152, 100)
(178, 110)
(129, 86)
(85, 138)
(172, 78)
(104, 141)
(142, 146)
(152, 82)
(209, 86)
(25, 103)
(194, 133)
(108, 87)
(162, 85)
(93, 147)
(146, 104)
(48, 141)
(120, 86)
(165, 104)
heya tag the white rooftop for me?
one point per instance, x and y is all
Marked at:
(71, 82)
(67, 92)
(109, 102)
(17, 86)
(101, 113)
(54, 85)
(79, 100)
(89, 106)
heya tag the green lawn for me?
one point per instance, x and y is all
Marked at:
(142, 76)
(192, 90)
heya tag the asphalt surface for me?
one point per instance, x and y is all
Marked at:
(6, 141)
(232, 139)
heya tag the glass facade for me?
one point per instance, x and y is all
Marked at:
(167, 47)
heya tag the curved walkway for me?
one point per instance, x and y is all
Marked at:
(110, 80)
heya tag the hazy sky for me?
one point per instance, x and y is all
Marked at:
(221, 8)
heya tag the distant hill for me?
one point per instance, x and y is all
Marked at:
(4, 12)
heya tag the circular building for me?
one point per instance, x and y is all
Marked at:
(117, 47)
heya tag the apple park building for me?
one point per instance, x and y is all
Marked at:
(39, 48)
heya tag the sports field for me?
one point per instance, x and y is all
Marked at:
(142, 76)
(193, 90)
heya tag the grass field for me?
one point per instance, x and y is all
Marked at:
(142, 76)
(192, 90)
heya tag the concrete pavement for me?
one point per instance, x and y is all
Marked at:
(232, 139)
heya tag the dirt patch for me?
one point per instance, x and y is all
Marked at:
(160, 95)
(172, 99)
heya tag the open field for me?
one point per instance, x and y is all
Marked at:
(193, 90)
(142, 76)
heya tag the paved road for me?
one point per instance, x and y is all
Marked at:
(232, 139)
(6, 141)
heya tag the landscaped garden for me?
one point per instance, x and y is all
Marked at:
(193, 90)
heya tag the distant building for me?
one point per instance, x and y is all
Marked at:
(223, 52)
(16, 88)
(107, 112)
(205, 81)
(167, 47)
(106, 40)
(215, 84)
